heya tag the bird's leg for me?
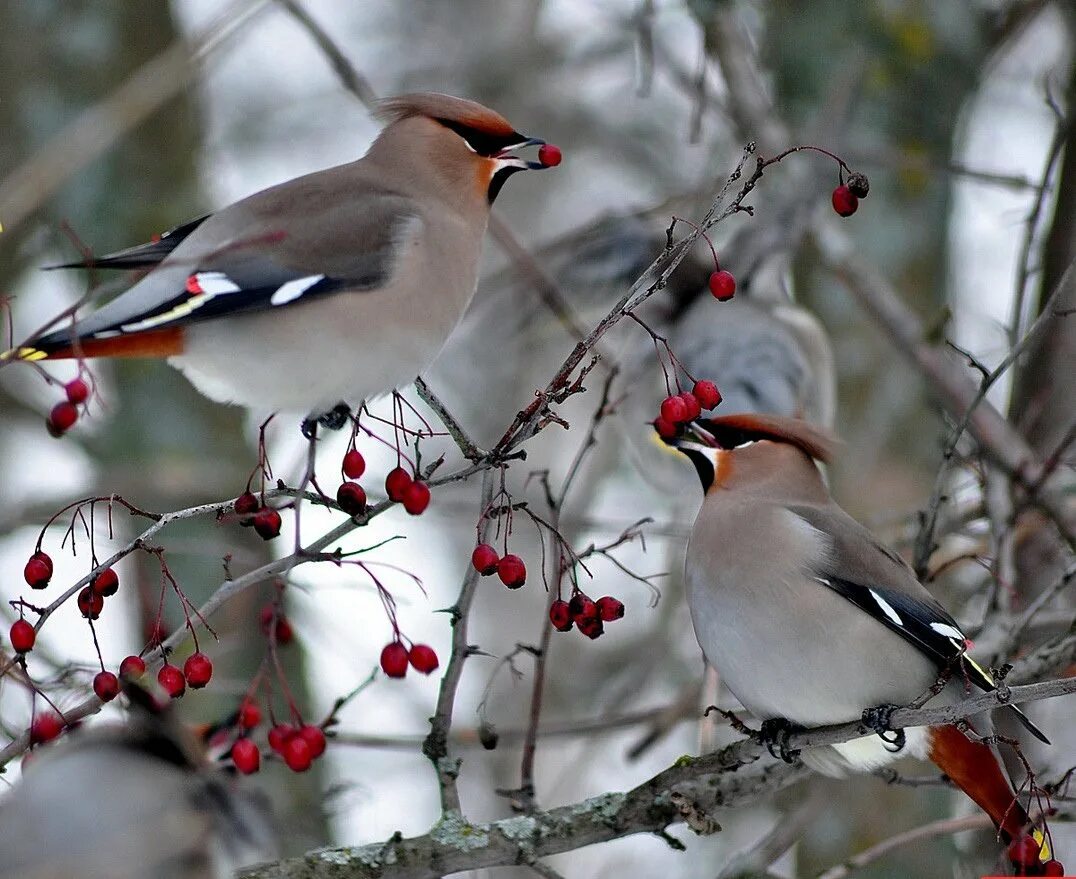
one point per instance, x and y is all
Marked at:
(775, 733)
(878, 720)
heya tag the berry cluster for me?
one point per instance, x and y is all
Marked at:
(403, 488)
(847, 195)
(197, 671)
(1025, 853)
(510, 568)
(395, 658)
(253, 514)
(65, 413)
(589, 616)
(298, 745)
(680, 408)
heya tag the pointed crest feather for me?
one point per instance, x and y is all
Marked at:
(439, 106)
(743, 427)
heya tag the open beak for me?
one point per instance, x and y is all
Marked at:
(505, 160)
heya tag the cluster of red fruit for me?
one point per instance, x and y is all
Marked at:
(413, 494)
(265, 520)
(395, 658)
(298, 745)
(590, 616)
(510, 568)
(197, 671)
(846, 196)
(283, 632)
(65, 413)
(687, 406)
(1025, 852)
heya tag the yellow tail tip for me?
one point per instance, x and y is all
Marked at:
(30, 354)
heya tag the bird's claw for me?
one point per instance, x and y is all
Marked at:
(775, 734)
(878, 719)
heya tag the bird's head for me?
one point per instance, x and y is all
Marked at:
(461, 141)
(752, 446)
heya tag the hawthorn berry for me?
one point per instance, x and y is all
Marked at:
(284, 632)
(267, 523)
(422, 658)
(549, 155)
(560, 616)
(859, 185)
(132, 667)
(722, 285)
(512, 571)
(665, 429)
(484, 559)
(582, 607)
(38, 571)
(674, 409)
(77, 391)
(22, 636)
(249, 714)
(1024, 851)
(198, 669)
(246, 504)
(844, 201)
(90, 604)
(106, 685)
(396, 483)
(297, 754)
(1052, 868)
(172, 681)
(62, 418)
(246, 756)
(280, 735)
(45, 727)
(106, 583)
(706, 393)
(394, 659)
(314, 736)
(352, 498)
(694, 407)
(609, 608)
(592, 627)
(416, 498)
(354, 464)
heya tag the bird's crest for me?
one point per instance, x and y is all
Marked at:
(448, 110)
(732, 431)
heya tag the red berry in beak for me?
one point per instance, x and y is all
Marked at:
(198, 669)
(246, 756)
(106, 583)
(560, 616)
(106, 685)
(352, 498)
(22, 636)
(172, 681)
(354, 464)
(844, 201)
(394, 660)
(416, 498)
(77, 391)
(512, 571)
(706, 393)
(549, 155)
(396, 483)
(722, 285)
(422, 658)
(485, 559)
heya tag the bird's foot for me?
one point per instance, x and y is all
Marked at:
(334, 419)
(775, 734)
(878, 719)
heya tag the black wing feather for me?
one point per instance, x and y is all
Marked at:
(140, 256)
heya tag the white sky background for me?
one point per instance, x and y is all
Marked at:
(261, 130)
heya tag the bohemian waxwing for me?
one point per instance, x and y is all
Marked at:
(325, 290)
(130, 802)
(809, 619)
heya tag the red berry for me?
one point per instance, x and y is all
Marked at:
(284, 632)
(722, 285)
(592, 627)
(22, 636)
(246, 504)
(249, 714)
(62, 417)
(38, 571)
(396, 483)
(1024, 851)
(844, 201)
(512, 571)
(132, 667)
(77, 391)
(46, 727)
(581, 607)
(694, 407)
(90, 604)
(673, 409)
(610, 608)
(267, 523)
(422, 658)
(106, 685)
(198, 669)
(314, 736)
(394, 660)
(1052, 868)
(297, 754)
(706, 393)
(560, 616)
(665, 429)
(172, 681)
(354, 464)
(352, 498)
(280, 735)
(246, 756)
(106, 583)
(485, 559)
(549, 155)
(416, 498)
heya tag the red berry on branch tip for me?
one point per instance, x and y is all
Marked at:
(416, 498)
(198, 669)
(90, 604)
(844, 201)
(246, 756)
(484, 559)
(354, 464)
(297, 754)
(172, 681)
(38, 571)
(560, 616)
(706, 393)
(722, 285)
(396, 483)
(62, 418)
(314, 736)
(45, 727)
(22, 636)
(549, 155)
(394, 660)
(610, 608)
(673, 409)
(280, 735)
(352, 498)
(77, 391)
(512, 571)
(106, 583)
(267, 523)
(106, 685)
(132, 667)
(422, 658)
(246, 504)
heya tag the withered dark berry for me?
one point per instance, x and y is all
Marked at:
(352, 498)
(267, 523)
(859, 185)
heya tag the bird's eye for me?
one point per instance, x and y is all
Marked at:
(484, 143)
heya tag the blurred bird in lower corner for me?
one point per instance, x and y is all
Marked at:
(130, 802)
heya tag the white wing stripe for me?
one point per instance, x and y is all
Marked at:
(215, 283)
(948, 631)
(887, 608)
(294, 289)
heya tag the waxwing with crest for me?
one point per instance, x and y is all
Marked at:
(810, 620)
(328, 289)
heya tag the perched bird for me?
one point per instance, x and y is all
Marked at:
(324, 290)
(131, 802)
(810, 620)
